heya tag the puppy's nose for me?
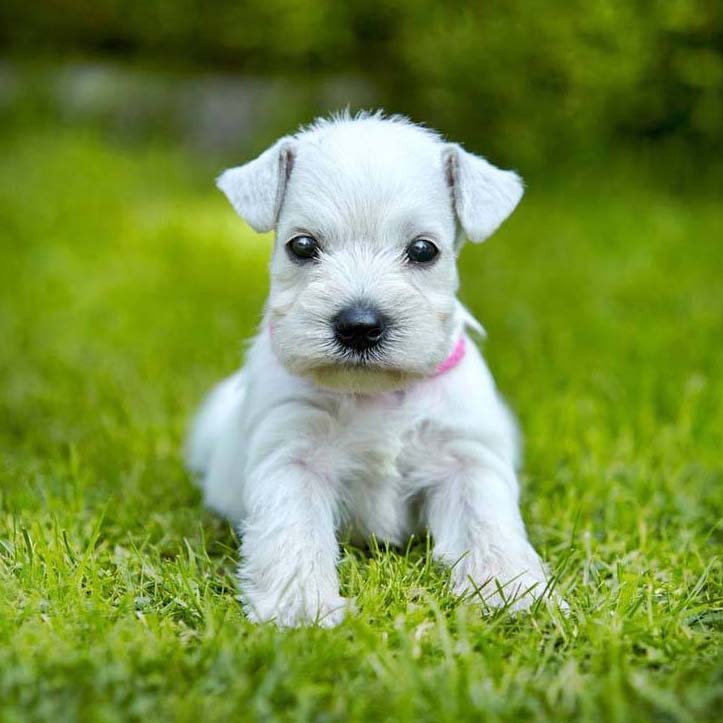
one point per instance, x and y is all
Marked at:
(359, 327)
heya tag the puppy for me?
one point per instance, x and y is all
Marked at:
(363, 407)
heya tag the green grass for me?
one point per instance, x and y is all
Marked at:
(126, 289)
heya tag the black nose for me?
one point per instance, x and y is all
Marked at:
(359, 327)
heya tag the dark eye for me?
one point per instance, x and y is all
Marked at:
(422, 251)
(303, 248)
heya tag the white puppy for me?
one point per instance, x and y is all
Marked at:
(363, 407)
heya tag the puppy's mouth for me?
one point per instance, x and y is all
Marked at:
(363, 369)
(343, 362)
(374, 358)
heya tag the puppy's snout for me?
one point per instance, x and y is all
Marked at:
(359, 327)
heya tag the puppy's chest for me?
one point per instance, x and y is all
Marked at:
(376, 437)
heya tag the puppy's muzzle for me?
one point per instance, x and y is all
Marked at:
(359, 327)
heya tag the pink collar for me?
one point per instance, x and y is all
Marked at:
(455, 357)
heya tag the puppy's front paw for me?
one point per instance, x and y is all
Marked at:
(503, 579)
(296, 608)
(512, 591)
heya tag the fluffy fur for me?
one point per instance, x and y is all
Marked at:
(307, 441)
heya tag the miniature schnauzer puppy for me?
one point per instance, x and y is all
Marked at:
(363, 407)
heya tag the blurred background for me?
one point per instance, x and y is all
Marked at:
(532, 83)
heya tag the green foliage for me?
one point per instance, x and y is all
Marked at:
(528, 81)
(126, 286)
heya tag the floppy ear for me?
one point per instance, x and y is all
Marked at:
(484, 196)
(256, 189)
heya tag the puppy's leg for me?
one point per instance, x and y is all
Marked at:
(474, 519)
(289, 547)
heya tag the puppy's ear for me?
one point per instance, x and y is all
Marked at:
(257, 188)
(484, 196)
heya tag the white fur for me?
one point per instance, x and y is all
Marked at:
(304, 443)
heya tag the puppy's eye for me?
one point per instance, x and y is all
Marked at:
(422, 251)
(303, 248)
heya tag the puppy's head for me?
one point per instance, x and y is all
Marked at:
(367, 212)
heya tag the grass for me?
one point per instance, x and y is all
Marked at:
(126, 288)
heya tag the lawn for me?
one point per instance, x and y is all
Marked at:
(127, 287)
